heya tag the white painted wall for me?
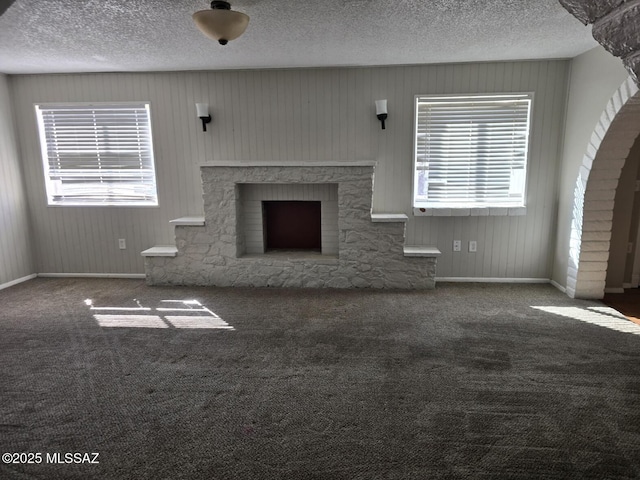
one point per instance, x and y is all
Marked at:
(594, 78)
(298, 115)
(626, 212)
(631, 271)
(622, 220)
(15, 241)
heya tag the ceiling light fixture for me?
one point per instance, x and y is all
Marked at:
(221, 23)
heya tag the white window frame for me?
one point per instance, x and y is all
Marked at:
(516, 166)
(101, 154)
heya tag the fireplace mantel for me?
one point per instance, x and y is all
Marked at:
(289, 164)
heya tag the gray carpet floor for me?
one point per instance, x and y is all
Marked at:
(467, 381)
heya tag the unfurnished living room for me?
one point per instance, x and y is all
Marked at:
(319, 240)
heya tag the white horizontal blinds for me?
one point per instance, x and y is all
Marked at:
(98, 154)
(471, 151)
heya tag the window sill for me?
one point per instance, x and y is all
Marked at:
(470, 212)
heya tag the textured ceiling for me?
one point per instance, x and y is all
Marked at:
(154, 35)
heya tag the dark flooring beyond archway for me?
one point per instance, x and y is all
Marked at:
(627, 303)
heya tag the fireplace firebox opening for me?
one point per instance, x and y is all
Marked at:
(292, 225)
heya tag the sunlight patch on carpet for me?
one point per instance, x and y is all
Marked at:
(602, 316)
(132, 321)
(197, 322)
(192, 315)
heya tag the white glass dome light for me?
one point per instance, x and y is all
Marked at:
(221, 23)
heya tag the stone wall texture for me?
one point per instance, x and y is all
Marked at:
(616, 26)
(370, 255)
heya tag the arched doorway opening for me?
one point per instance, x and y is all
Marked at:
(595, 189)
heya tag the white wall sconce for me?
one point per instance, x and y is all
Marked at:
(203, 114)
(381, 111)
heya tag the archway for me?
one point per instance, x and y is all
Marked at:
(595, 190)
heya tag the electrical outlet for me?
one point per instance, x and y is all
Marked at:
(630, 247)
(457, 245)
(473, 246)
(122, 243)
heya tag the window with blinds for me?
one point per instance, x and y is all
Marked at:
(98, 154)
(471, 151)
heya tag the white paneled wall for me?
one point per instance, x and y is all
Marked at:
(297, 115)
(15, 240)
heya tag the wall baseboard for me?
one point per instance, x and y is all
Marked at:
(491, 280)
(558, 286)
(91, 275)
(17, 281)
(614, 290)
(438, 279)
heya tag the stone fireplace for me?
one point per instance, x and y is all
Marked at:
(229, 246)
